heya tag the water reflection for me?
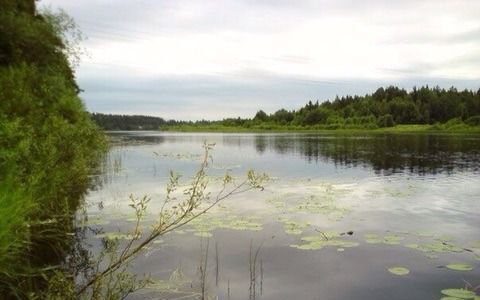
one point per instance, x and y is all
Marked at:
(384, 153)
(324, 182)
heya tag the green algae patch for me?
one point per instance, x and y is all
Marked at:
(400, 271)
(459, 267)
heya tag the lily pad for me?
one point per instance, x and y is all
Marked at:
(400, 271)
(460, 267)
(459, 293)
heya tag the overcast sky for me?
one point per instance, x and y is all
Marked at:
(212, 59)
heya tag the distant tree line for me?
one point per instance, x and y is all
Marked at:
(386, 107)
(126, 122)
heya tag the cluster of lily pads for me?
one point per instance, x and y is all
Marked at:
(312, 204)
(324, 239)
(205, 224)
(323, 206)
(293, 227)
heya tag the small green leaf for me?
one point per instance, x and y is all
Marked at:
(459, 293)
(401, 271)
(460, 267)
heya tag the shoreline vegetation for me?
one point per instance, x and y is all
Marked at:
(49, 147)
(388, 110)
(412, 128)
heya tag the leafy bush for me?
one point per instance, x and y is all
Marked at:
(473, 121)
(48, 146)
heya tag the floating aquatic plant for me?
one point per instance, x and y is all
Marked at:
(325, 239)
(459, 293)
(372, 238)
(436, 247)
(460, 267)
(328, 207)
(392, 239)
(400, 271)
(293, 227)
(207, 223)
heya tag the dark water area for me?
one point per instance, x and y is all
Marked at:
(340, 212)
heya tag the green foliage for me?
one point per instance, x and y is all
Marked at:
(48, 146)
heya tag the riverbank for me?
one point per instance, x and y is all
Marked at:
(413, 128)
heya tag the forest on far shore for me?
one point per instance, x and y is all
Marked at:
(386, 107)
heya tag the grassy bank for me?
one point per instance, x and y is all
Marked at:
(414, 128)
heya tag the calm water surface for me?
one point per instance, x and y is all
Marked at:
(407, 200)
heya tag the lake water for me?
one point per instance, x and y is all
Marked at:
(339, 212)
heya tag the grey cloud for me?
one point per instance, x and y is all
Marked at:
(215, 97)
(144, 17)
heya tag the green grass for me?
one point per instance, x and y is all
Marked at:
(411, 128)
(15, 210)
